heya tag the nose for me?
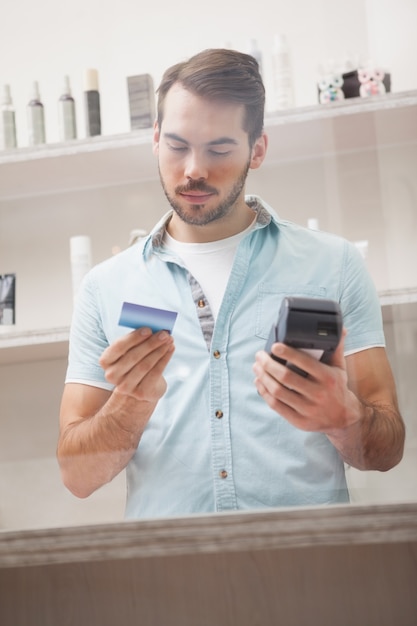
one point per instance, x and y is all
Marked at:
(195, 166)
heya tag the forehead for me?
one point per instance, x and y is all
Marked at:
(193, 116)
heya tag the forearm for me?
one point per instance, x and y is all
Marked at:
(375, 441)
(93, 450)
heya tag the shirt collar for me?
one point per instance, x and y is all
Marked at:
(264, 215)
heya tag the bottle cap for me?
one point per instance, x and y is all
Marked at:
(67, 87)
(91, 80)
(7, 98)
(35, 91)
(80, 245)
(280, 42)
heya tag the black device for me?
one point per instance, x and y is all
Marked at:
(307, 324)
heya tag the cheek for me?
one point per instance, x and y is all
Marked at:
(168, 166)
(227, 170)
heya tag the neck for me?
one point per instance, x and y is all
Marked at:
(235, 222)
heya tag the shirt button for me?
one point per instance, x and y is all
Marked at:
(201, 304)
(219, 414)
(223, 474)
(216, 354)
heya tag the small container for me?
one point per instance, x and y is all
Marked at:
(141, 101)
(8, 121)
(66, 113)
(7, 299)
(282, 74)
(92, 103)
(36, 118)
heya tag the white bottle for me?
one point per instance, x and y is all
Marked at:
(8, 122)
(66, 113)
(255, 51)
(80, 257)
(36, 118)
(313, 223)
(282, 74)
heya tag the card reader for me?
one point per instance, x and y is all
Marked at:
(311, 324)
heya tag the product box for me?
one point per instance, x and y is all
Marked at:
(141, 101)
(364, 83)
(7, 299)
(360, 83)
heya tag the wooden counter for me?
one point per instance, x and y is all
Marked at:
(333, 566)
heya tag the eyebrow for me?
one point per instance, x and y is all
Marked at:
(215, 142)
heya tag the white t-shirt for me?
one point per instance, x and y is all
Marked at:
(210, 263)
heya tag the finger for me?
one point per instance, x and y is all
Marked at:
(291, 359)
(285, 402)
(151, 388)
(145, 381)
(278, 380)
(309, 362)
(139, 357)
(149, 362)
(122, 345)
(153, 384)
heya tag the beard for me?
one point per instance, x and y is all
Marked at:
(195, 214)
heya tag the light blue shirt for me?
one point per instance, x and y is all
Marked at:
(212, 443)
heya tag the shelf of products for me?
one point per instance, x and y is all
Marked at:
(121, 159)
(51, 343)
(106, 161)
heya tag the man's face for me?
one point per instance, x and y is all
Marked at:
(203, 155)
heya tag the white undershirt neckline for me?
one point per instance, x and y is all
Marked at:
(210, 263)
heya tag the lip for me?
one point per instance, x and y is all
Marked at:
(196, 198)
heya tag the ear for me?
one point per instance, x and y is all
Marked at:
(155, 139)
(258, 151)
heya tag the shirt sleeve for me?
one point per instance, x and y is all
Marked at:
(87, 339)
(360, 304)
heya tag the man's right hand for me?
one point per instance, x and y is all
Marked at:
(135, 363)
(100, 430)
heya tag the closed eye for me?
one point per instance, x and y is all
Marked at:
(177, 148)
(219, 152)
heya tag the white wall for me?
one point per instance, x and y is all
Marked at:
(45, 40)
(392, 39)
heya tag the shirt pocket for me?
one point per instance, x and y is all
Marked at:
(270, 297)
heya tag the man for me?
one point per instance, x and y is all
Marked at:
(213, 423)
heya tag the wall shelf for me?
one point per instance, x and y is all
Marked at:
(349, 106)
(36, 345)
(50, 343)
(399, 305)
(127, 158)
(398, 296)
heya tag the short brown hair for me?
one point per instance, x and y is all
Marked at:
(220, 74)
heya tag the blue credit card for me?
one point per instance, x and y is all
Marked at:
(138, 316)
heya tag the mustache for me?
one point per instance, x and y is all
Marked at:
(195, 185)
